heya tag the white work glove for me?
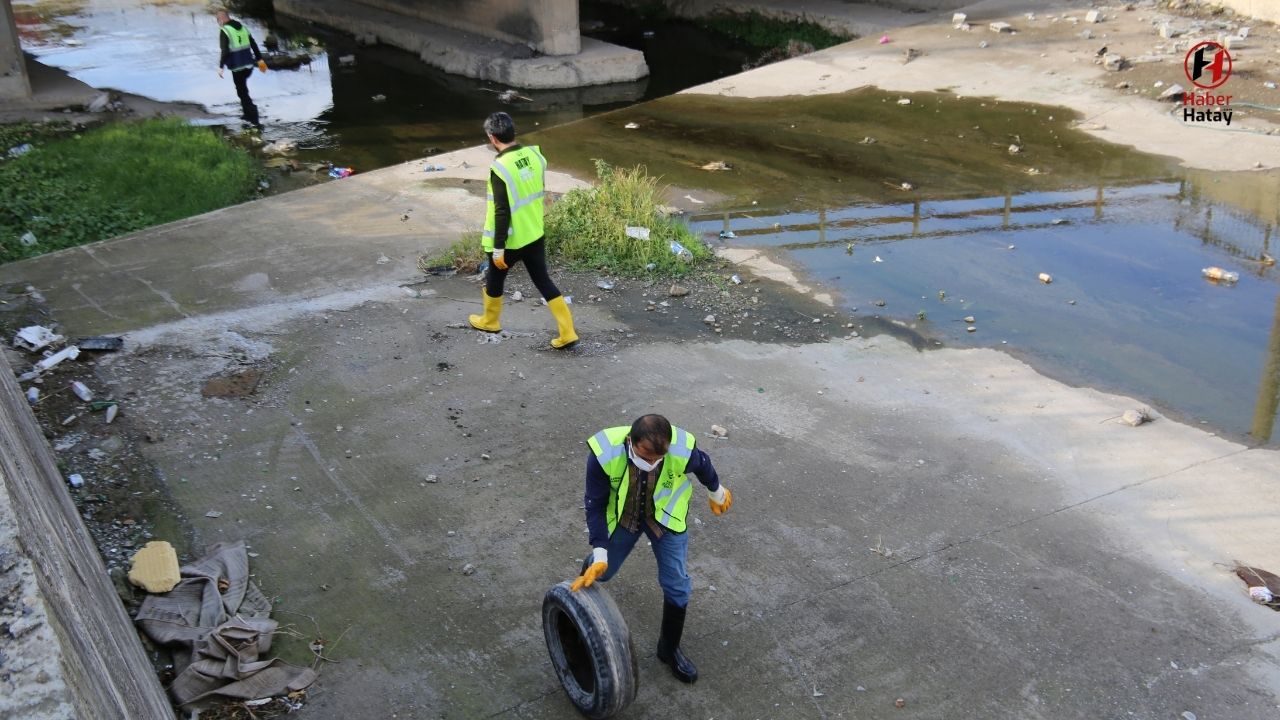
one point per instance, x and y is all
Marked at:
(499, 260)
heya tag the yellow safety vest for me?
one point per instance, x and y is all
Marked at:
(523, 170)
(674, 488)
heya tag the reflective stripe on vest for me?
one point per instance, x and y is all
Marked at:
(239, 55)
(523, 171)
(673, 490)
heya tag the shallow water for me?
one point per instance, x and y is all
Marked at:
(168, 50)
(1127, 309)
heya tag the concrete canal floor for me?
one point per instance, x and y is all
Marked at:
(948, 528)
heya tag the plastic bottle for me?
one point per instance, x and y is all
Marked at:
(1217, 273)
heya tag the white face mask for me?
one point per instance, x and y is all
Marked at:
(640, 463)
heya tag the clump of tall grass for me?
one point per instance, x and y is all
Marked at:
(586, 228)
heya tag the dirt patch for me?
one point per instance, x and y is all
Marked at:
(238, 384)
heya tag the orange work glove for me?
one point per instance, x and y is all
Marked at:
(500, 259)
(262, 66)
(720, 500)
(599, 564)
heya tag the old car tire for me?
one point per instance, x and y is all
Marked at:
(590, 649)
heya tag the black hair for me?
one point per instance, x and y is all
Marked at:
(501, 126)
(653, 429)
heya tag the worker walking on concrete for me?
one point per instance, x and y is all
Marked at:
(239, 54)
(513, 229)
(637, 485)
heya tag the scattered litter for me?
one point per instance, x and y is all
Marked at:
(983, 44)
(632, 126)
(639, 233)
(884, 40)
(1217, 274)
(76, 480)
(341, 172)
(1001, 27)
(1188, 715)
(1113, 62)
(28, 239)
(33, 395)
(1261, 595)
(868, 140)
(383, 260)
(899, 703)
(958, 19)
(280, 147)
(1093, 16)
(904, 101)
(82, 391)
(1046, 278)
(433, 168)
(35, 338)
(517, 296)
(68, 352)
(678, 291)
(969, 319)
(727, 235)
(906, 186)
(972, 328)
(878, 259)
(710, 319)
(1059, 221)
(717, 165)
(468, 569)
(1259, 579)
(718, 431)
(735, 279)
(101, 342)
(650, 266)
(604, 284)
(213, 514)
(879, 303)
(69, 419)
(379, 98)
(680, 251)
(1173, 93)
(1014, 149)
(346, 60)
(693, 200)
(112, 409)
(20, 150)
(1269, 85)
(1134, 418)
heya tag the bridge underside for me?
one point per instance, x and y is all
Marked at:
(14, 84)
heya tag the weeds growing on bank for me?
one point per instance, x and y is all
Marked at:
(586, 229)
(766, 33)
(80, 187)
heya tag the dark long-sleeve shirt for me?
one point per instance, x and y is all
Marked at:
(596, 498)
(224, 44)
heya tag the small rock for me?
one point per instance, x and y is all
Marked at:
(899, 703)
(1134, 418)
(1093, 16)
(678, 291)
(879, 303)
(383, 260)
(468, 569)
(710, 319)
(1001, 27)
(484, 456)
(1046, 278)
(904, 101)
(1173, 93)
(971, 328)
(720, 432)
(1113, 62)
(1015, 149)
(213, 514)
(76, 480)
(517, 296)
(969, 319)
(604, 284)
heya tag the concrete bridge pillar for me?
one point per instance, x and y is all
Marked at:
(13, 67)
(548, 26)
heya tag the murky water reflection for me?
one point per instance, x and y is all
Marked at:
(1127, 309)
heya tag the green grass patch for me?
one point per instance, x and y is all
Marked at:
(766, 33)
(586, 228)
(115, 179)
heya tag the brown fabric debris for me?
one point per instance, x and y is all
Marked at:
(219, 625)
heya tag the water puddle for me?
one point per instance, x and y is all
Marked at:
(1127, 309)
(382, 107)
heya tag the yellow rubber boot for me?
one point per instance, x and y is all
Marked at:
(488, 322)
(564, 321)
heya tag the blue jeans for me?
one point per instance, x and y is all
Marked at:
(669, 550)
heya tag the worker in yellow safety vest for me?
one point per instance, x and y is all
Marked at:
(239, 55)
(513, 229)
(638, 484)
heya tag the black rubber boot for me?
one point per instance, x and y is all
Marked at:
(669, 644)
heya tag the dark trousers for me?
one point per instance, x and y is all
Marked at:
(534, 257)
(248, 110)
